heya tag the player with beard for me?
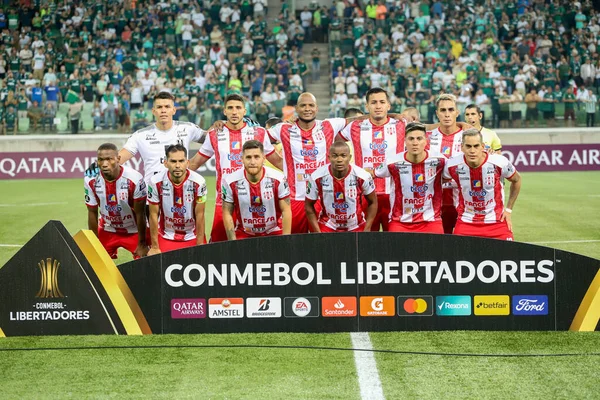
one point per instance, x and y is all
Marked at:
(482, 210)
(226, 146)
(259, 196)
(177, 198)
(339, 188)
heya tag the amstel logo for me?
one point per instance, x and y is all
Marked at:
(49, 279)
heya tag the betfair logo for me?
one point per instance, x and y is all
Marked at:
(491, 305)
(49, 279)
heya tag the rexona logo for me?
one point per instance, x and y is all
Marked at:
(294, 307)
(188, 308)
(530, 305)
(491, 305)
(453, 305)
(263, 307)
(339, 306)
(377, 306)
(419, 306)
(226, 308)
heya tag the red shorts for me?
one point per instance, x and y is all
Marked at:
(299, 221)
(498, 230)
(449, 216)
(382, 218)
(112, 241)
(325, 229)
(419, 227)
(217, 233)
(244, 235)
(170, 245)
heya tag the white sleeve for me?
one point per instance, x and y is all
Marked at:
(227, 192)
(275, 132)
(284, 189)
(382, 171)
(346, 133)
(337, 124)
(90, 197)
(368, 185)
(267, 143)
(508, 170)
(140, 190)
(153, 197)
(207, 149)
(197, 133)
(201, 192)
(312, 191)
(132, 144)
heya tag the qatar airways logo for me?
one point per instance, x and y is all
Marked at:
(310, 153)
(419, 190)
(379, 147)
(235, 158)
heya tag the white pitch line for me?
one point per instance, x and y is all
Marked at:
(33, 204)
(566, 241)
(366, 367)
(11, 245)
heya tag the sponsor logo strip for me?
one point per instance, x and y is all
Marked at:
(300, 307)
(188, 308)
(343, 306)
(263, 307)
(530, 305)
(231, 307)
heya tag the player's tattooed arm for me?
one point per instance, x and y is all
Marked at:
(228, 220)
(286, 216)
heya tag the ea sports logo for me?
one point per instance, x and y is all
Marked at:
(301, 307)
(412, 306)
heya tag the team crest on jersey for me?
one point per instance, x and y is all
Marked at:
(318, 134)
(236, 145)
(446, 150)
(489, 180)
(419, 178)
(339, 196)
(352, 193)
(189, 197)
(256, 200)
(122, 195)
(268, 194)
(378, 135)
(430, 172)
(112, 198)
(476, 183)
(178, 200)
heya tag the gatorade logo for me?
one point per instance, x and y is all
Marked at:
(377, 306)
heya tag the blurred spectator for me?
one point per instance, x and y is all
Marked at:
(48, 116)
(74, 116)
(34, 113)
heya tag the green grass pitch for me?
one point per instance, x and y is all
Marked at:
(559, 210)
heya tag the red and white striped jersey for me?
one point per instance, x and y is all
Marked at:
(177, 203)
(373, 145)
(152, 142)
(340, 198)
(444, 145)
(256, 205)
(226, 146)
(481, 194)
(305, 151)
(114, 200)
(416, 194)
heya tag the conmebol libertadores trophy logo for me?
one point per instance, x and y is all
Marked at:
(49, 279)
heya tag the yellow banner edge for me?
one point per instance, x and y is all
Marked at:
(2, 333)
(588, 314)
(118, 291)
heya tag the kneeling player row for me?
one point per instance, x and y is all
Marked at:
(340, 197)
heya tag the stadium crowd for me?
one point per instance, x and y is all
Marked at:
(97, 65)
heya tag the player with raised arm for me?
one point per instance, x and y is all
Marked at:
(118, 196)
(150, 142)
(177, 198)
(304, 146)
(256, 199)
(374, 140)
(416, 192)
(226, 146)
(480, 176)
(473, 116)
(339, 188)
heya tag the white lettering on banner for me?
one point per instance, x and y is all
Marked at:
(552, 158)
(81, 165)
(587, 157)
(370, 273)
(32, 165)
(48, 315)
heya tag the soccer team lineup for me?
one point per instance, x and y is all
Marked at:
(365, 172)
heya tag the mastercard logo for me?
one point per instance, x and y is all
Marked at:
(415, 306)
